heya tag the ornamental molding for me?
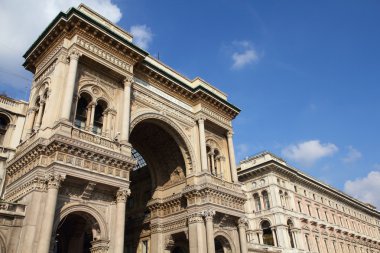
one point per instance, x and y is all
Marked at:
(93, 77)
(168, 206)
(99, 246)
(103, 54)
(217, 118)
(37, 183)
(52, 55)
(44, 153)
(162, 107)
(46, 73)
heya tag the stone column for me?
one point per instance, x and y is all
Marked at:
(212, 163)
(202, 143)
(242, 235)
(209, 214)
(274, 235)
(232, 157)
(91, 106)
(121, 200)
(196, 239)
(70, 85)
(124, 137)
(39, 115)
(30, 121)
(54, 181)
(261, 240)
(105, 123)
(283, 236)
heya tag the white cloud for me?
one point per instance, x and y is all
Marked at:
(244, 54)
(308, 152)
(366, 189)
(22, 21)
(142, 35)
(352, 155)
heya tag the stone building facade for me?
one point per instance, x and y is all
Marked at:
(288, 211)
(117, 152)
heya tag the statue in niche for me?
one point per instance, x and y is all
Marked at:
(177, 175)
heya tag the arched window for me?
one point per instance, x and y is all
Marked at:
(100, 108)
(82, 117)
(266, 200)
(257, 200)
(290, 232)
(267, 233)
(4, 124)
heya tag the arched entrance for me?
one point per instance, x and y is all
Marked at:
(75, 233)
(163, 164)
(222, 245)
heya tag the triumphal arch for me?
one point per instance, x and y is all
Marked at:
(119, 152)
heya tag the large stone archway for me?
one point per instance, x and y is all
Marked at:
(164, 163)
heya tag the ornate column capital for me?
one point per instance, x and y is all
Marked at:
(128, 81)
(99, 246)
(208, 214)
(195, 218)
(54, 180)
(122, 195)
(200, 119)
(242, 222)
(230, 134)
(74, 54)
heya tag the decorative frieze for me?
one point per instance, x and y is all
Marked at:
(110, 58)
(161, 107)
(37, 183)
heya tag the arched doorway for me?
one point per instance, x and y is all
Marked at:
(267, 233)
(161, 172)
(75, 233)
(222, 245)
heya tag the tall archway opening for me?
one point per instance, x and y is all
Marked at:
(222, 245)
(160, 173)
(75, 233)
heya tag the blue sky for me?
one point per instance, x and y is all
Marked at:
(305, 73)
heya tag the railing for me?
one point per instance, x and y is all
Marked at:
(7, 101)
(226, 184)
